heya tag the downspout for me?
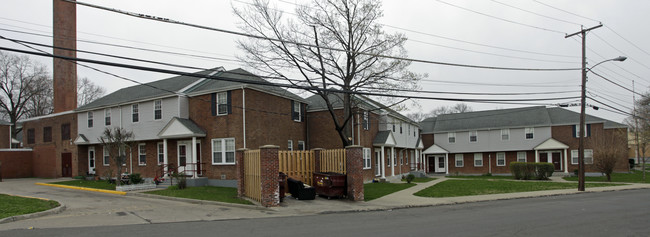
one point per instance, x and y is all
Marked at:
(243, 101)
(358, 132)
(490, 163)
(307, 144)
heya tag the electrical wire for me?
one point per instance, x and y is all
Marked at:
(536, 14)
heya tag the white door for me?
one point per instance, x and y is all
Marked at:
(91, 160)
(378, 162)
(440, 164)
(185, 157)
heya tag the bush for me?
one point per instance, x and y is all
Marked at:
(530, 170)
(135, 178)
(410, 178)
(181, 179)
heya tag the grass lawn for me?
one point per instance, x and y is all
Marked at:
(220, 194)
(376, 190)
(98, 184)
(634, 177)
(482, 177)
(456, 188)
(13, 205)
(421, 180)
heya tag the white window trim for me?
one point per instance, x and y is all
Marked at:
(366, 159)
(504, 158)
(154, 110)
(223, 151)
(518, 156)
(135, 109)
(140, 163)
(578, 130)
(158, 145)
(290, 145)
(506, 132)
(470, 136)
(105, 154)
(303, 145)
(107, 114)
(366, 120)
(296, 106)
(90, 117)
(532, 131)
(92, 148)
(477, 157)
(451, 135)
(222, 95)
(458, 157)
(574, 154)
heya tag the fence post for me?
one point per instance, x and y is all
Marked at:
(270, 168)
(239, 156)
(354, 167)
(317, 159)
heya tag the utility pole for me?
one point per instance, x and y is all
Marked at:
(636, 126)
(581, 144)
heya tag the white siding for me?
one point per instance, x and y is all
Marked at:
(405, 139)
(490, 140)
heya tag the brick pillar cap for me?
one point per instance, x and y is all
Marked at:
(270, 147)
(353, 146)
(242, 149)
(318, 149)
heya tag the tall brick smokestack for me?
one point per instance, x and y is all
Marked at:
(65, 72)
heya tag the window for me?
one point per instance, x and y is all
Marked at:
(501, 159)
(400, 127)
(529, 133)
(452, 137)
(135, 113)
(47, 134)
(296, 111)
(393, 123)
(505, 134)
(459, 160)
(107, 157)
(107, 117)
(223, 151)
(142, 154)
(290, 145)
(301, 145)
(157, 109)
(90, 119)
(478, 159)
(366, 121)
(222, 103)
(473, 136)
(91, 160)
(366, 158)
(589, 156)
(388, 156)
(122, 152)
(394, 158)
(401, 157)
(65, 131)
(31, 136)
(576, 129)
(161, 153)
(521, 156)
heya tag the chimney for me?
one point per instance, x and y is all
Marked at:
(65, 72)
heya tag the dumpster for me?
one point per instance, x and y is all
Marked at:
(330, 184)
(301, 191)
(282, 182)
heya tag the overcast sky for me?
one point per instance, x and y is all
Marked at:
(501, 33)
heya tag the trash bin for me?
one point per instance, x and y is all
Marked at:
(330, 184)
(282, 182)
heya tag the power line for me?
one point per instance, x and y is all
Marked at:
(620, 51)
(170, 21)
(626, 40)
(562, 10)
(534, 13)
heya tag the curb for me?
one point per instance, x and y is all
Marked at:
(201, 202)
(52, 211)
(82, 188)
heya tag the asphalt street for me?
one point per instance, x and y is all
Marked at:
(620, 213)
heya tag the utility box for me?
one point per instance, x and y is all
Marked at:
(330, 184)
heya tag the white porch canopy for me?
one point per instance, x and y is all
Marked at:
(182, 128)
(435, 149)
(552, 144)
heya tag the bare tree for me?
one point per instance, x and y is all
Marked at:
(21, 81)
(330, 44)
(639, 123)
(87, 91)
(608, 151)
(117, 141)
(457, 108)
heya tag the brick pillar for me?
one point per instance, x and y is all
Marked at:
(65, 72)
(239, 156)
(270, 168)
(354, 167)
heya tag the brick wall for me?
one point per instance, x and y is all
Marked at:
(565, 135)
(47, 155)
(15, 164)
(65, 72)
(5, 136)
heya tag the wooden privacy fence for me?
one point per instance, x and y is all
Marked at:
(301, 165)
(252, 175)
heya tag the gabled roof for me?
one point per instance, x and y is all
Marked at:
(435, 149)
(214, 85)
(551, 144)
(560, 116)
(180, 127)
(155, 89)
(384, 138)
(81, 139)
(317, 103)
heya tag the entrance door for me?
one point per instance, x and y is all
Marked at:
(182, 157)
(66, 164)
(198, 158)
(557, 160)
(91, 160)
(377, 162)
(543, 157)
(440, 164)
(431, 164)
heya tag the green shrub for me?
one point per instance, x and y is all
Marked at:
(410, 178)
(135, 178)
(530, 170)
(487, 174)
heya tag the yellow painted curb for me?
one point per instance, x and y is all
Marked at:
(82, 188)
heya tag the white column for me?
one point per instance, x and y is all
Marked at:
(392, 161)
(536, 156)
(446, 163)
(194, 160)
(417, 159)
(566, 163)
(383, 163)
(165, 160)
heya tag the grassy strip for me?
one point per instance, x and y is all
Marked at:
(14, 205)
(376, 190)
(209, 193)
(483, 177)
(634, 177)
(420, 180)
(456, 188)
(98, 184)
